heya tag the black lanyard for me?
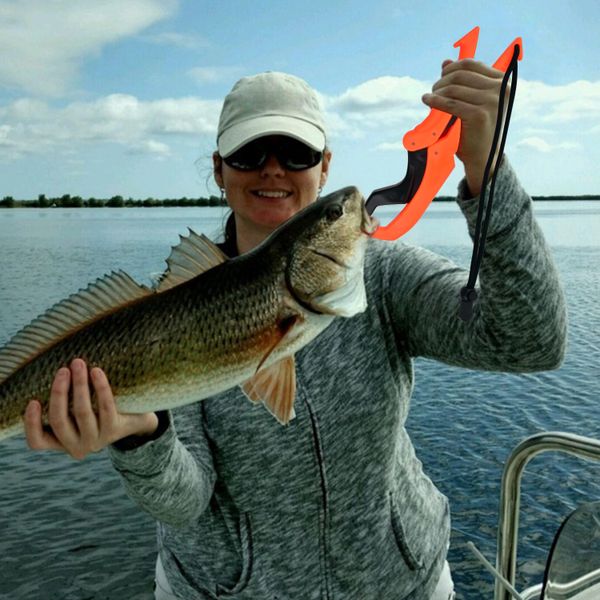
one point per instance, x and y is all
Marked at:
(468, 295)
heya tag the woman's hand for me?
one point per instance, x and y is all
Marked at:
(81, 431)
(470, 90)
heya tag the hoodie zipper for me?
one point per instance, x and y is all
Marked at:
(324, 542)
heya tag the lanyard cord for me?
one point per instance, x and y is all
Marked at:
(468, 295)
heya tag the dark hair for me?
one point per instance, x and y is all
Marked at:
(230, 237)
(230, 233)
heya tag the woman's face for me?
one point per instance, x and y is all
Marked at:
(266, 197)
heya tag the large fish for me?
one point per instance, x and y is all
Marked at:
(209, 324)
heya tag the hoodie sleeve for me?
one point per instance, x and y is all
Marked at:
(172, 477)
(519, 319)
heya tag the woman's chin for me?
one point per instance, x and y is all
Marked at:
(273, 218)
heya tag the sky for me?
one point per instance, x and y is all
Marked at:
(111, 97)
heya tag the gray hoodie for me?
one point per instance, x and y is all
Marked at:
(336, 505)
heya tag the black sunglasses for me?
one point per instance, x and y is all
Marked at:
(290, 153)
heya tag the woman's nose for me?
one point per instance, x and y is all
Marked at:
(272, 166)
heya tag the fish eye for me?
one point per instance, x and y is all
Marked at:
(334, 212)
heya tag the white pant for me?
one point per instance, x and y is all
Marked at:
(445, 587)
(163, 590)
(443, 591)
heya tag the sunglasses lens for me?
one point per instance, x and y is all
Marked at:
(296, 156)
(290, 153)
(248, 157)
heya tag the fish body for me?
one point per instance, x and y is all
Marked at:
(210, 324)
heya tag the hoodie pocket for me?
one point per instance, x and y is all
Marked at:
(245, 525)
(411, 558)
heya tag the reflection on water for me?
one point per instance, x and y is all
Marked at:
(69, 529)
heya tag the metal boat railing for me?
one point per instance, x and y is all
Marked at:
(508, 523)
(569, 589)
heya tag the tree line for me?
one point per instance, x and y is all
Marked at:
(68, 201)
(535, 198)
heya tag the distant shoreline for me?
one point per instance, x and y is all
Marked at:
(534, 198)
(68, 201)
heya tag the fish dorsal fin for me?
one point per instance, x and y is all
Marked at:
(100, 298)
(275, 387)
(193, 255)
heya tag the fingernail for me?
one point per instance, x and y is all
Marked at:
(95, 373)
(426, 97)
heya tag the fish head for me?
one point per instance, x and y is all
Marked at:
(325, 263)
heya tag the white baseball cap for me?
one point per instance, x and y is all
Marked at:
(270, 103)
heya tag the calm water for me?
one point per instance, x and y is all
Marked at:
(67, 530)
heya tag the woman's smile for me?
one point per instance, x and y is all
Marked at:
(271, 193)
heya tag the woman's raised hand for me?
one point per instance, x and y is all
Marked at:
(470, 90)
(78, 430)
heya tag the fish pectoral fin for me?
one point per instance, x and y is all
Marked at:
(275, 387)
(284, 328)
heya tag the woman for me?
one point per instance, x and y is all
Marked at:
(336, 504)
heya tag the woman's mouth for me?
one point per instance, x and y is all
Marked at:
(276, 194)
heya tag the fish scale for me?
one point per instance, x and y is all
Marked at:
(210, 324)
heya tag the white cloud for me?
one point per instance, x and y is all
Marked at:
(43, 43)
(537, 131)
(180, 40)
(5, 132)
(376, 104)
(543, 103)
(379, 110)
(32, 126)
(152, 147)
(390, 146)
(537, 143)
(382, 93)
(203, 75)
(541, 111)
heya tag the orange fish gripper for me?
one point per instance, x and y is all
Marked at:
(431, 147)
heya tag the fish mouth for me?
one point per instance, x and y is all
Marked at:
(333, 259)
(369, 224)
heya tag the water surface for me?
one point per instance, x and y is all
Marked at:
(67, 530)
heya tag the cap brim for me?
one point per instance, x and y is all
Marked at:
(242, 133)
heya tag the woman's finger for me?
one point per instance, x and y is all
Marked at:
(113, 424)
(468, 95)
(108, 416)
(475, 66)
(58, 410)
(37, 438)
(459, 108)
(86, 420)
(468, 79)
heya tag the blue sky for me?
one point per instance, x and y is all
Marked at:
(112, 97)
